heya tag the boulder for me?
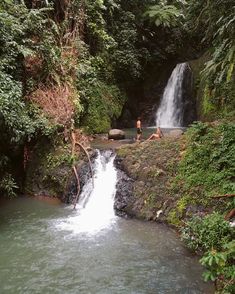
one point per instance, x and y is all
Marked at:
(116, 134)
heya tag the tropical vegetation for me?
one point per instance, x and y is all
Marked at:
(65, 61)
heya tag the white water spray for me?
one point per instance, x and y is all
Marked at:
(170, 111)
(95, 207)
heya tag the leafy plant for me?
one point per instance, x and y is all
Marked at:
(208, 164)
(164, 15)
(8, 186)
(211, 231)
(220, 267)
(218, 36)
(18, 120)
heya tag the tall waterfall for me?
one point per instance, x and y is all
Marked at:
(170, 111)
(95, 206)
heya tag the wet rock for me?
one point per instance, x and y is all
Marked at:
(124, 191)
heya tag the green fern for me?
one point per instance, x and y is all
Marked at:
(164, 15)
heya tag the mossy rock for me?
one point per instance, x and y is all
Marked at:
(152, 165)
(49, 168)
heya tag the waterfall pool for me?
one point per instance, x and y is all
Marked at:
(47, 247)
(130, 133)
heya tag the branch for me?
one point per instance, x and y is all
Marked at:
(226, 195)
(88, 156)
(74, 143)
(78, 187)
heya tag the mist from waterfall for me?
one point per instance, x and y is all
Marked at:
(170, 110)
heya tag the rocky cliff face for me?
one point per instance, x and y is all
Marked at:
(189, 98)
(144, 97)
(197, 65)
(49, 170)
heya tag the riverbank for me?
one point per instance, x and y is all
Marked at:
(169, 182)
(183, 182)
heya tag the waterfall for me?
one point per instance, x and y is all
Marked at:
(95, 206)
(170, 111)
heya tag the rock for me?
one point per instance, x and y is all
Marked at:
(49, 171)
(124, 191)
(116, 134)
(158, 213)
(232, 224)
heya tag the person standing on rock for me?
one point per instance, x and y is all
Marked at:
(138, 129)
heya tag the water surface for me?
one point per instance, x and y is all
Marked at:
(41, 251)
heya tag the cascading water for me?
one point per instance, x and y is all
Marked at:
(170, 111)
(95, 207)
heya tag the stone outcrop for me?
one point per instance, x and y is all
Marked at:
(49, 170)
(124, 193)
(116, 134)
(146, 170)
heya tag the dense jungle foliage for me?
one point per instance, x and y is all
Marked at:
(75, 60)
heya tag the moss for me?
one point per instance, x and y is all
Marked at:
(177, 214)
(199, 84)
(153, 165)
(182, 204)
(105, 104)
(173, 218)
(122, 152)
(151, 200)
(49, 168)
(56, 160)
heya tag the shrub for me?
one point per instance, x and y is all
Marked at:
(8, 186)
(206, 233)
(208, 165)
(220, 267)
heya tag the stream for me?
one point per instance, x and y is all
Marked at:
(47, 247)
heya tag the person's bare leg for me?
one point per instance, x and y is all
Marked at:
(150, 138)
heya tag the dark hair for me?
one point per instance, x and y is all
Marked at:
(139, 118)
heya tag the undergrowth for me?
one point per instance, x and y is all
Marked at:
(208, 166)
